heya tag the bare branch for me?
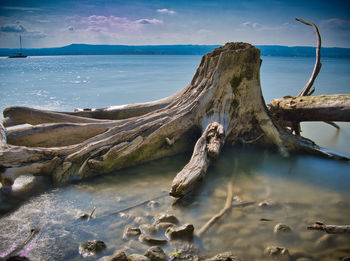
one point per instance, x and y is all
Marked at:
(318, 64)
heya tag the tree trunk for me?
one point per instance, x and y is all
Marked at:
(223, 104)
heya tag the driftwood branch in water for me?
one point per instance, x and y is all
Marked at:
(312, 108)
(227, 207)
(330, 229)
(306, 90)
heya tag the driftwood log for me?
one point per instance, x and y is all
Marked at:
(330, 229)
(223, 104)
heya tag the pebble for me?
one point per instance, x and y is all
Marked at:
(131, 232)
(155, 253)
(118, 255)
(281, 228)
(278, 253)
(149, 229)
(151, 240)
(226, 256)
(166, 218)
(183, 232)
(91, 248)
(137, 257)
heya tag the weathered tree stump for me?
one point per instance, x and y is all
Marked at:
(223, 104)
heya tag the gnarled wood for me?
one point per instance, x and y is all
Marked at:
(306, 90)
(312, 108)
(223, 104)
(207, 147)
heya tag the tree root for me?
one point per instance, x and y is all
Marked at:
(227, 207)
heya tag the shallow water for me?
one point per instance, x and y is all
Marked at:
(303, 189)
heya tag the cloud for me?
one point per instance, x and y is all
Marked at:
(112, 24)
(21, 8)
(336, 24)
(251, 25)
(260, 27)
(13, 28)
(149, 21)
(35, 35)
(19, 28)
(204, 31)
(165, 11)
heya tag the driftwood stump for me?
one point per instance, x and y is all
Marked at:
(223, 104)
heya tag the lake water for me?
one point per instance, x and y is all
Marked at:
(302, 189)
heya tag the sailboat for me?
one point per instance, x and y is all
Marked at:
(20, 54)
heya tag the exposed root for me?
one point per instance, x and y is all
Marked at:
(227, 207)
(207, 147)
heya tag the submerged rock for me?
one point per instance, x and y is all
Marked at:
(166, 218)
(281, 228)
(226, 256)
(151, 240)
(137, 257)
(153, 204)
(118, 255)
(164, 226)
(183, 232)
(91, 248)
(148, 229)
(140, 220)
(155, 253)
(131, 232)
(268, 204)
(278, 253)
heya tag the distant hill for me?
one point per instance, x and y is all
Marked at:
(87, 49)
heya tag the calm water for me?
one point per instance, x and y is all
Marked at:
(302, 189)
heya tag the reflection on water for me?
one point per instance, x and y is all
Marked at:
(299, 189)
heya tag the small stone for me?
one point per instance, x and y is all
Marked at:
(164, 226)
(278, 253)
(281, 228)
(126, 216)
(140, 220)
(304, 259)
(151, 240)
(131, 232)
(183, 232)
(118, 255)
(153, 204)
(166, 218)
(91, 248)
(268, 204)
(82, 216)
(226, 256)
(155, 253)
(148, 229)
(137, 257)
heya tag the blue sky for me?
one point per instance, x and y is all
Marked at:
(135, 22)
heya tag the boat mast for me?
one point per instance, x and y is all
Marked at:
(20, 42)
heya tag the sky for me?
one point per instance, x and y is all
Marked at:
(48, 23)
